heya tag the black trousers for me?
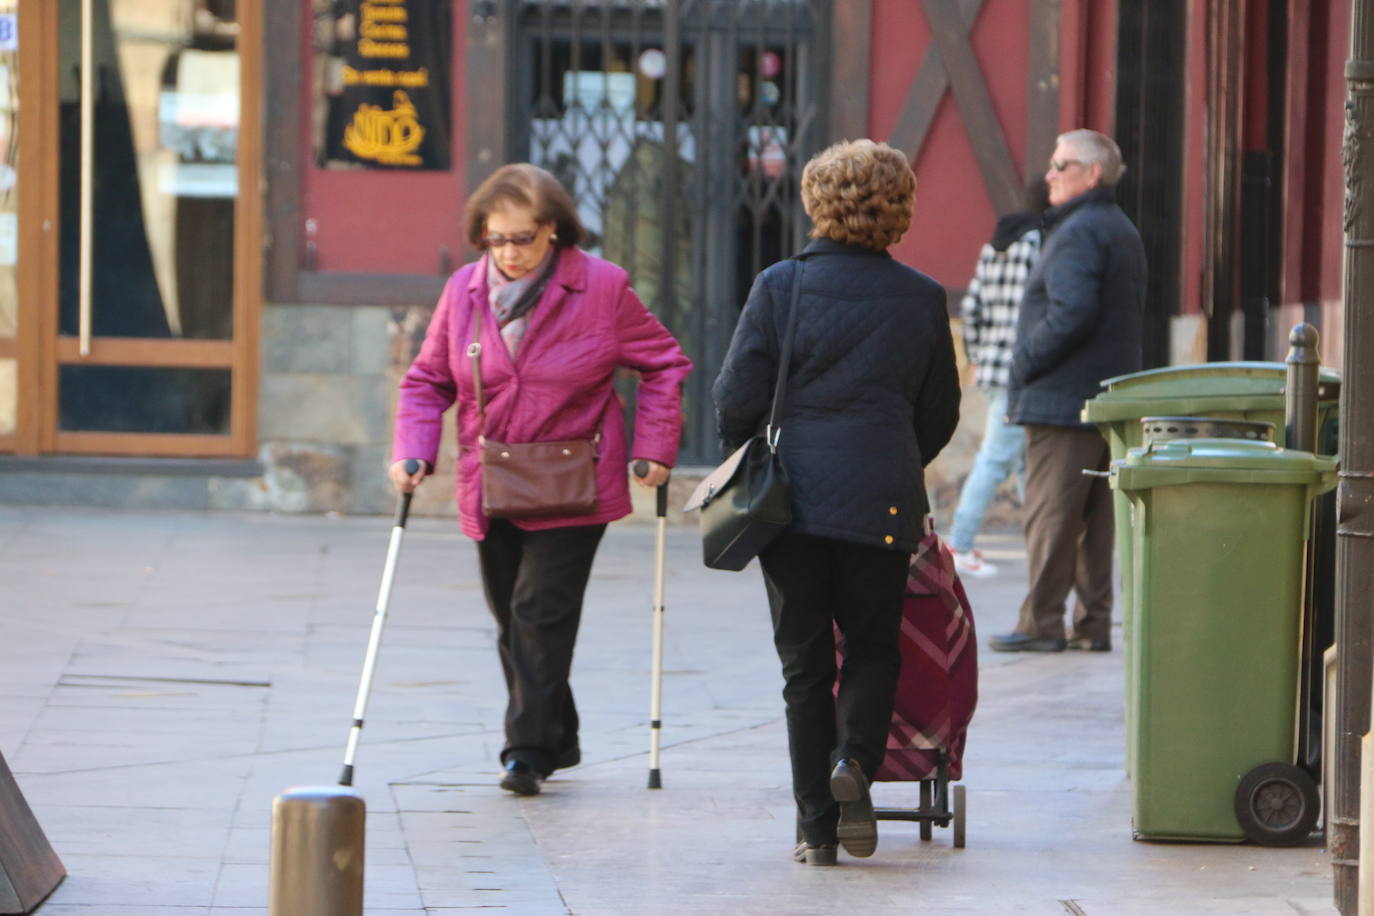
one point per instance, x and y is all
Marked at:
(814, 583)
(534, 582)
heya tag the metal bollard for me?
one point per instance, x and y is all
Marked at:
(317, 853)
(1300, 391)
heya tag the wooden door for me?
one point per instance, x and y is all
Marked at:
(138, 228)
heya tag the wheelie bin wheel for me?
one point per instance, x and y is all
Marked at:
(959, 810)
(1277, 804)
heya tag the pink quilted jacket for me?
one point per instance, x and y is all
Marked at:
(559, 386)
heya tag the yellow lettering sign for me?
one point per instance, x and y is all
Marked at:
(383, 32)
(411, 79)
(370, 48)
(389, 137)
(415, 79)
(385, 13)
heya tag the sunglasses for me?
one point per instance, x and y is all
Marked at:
(519, 239)
(1060, 165)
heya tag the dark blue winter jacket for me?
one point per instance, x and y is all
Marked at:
(1080, 318)
(872, 393)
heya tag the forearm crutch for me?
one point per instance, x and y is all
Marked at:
(656, 690)
(656, 678)
(374, 643)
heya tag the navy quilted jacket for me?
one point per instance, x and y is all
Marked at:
(872, 394)
(1081, 316)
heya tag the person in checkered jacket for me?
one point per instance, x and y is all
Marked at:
(989, 321)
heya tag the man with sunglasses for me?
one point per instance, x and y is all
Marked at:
(1080, 322)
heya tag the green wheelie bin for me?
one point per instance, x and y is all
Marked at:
(1238, 390)
(1217, 557)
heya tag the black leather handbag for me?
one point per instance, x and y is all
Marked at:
(746, 502)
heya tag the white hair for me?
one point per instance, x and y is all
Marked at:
(1090, 146)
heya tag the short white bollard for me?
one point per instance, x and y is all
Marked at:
(317, 853)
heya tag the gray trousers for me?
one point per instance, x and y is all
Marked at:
(1068, 533)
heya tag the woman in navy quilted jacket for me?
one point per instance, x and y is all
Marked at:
(872, 396)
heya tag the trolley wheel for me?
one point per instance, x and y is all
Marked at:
(1277, 804)
(925, 810)
(960, 808)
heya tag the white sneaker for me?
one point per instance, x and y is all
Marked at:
(971, 563)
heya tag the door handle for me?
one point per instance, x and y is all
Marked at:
(87, 220)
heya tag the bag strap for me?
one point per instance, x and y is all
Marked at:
(774, 431)
(475, 354)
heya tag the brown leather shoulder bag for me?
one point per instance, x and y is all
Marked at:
(531, 479)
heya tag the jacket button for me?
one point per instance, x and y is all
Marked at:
(888, 539)
(891, 510)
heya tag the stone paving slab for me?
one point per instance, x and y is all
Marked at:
(164, 676)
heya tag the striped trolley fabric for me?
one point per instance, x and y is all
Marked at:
(937, 689)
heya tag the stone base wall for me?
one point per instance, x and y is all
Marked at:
(327, 395)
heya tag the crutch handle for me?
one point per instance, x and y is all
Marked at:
(641, 469)
(403, 504)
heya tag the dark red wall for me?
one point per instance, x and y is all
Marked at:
(954, 215)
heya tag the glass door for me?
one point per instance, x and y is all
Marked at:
(150, 327)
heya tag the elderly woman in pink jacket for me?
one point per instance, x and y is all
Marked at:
(553, 325)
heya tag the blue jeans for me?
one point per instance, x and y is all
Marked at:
(1002, 453)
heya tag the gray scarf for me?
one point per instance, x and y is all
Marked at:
(511, 300)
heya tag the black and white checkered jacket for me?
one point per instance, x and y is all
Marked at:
(990, 305)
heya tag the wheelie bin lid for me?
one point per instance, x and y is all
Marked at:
(1199, 389)
(1186, 461)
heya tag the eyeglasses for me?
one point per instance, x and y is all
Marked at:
(1060, 165)
(519, 239)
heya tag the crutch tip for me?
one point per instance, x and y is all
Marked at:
(655, 779)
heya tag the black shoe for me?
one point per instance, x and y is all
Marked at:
(1020, 642)
(568, 758)
(1087, 644)
(858, 827)
(521, 778)
(819, 854)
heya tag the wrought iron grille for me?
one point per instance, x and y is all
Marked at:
(681, 128)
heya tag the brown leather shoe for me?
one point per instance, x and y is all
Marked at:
(1087, 644)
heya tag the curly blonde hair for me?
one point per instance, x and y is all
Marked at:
(859, 192)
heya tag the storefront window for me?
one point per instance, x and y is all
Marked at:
(164, 181)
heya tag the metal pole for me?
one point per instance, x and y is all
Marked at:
(1355, 493)
(1300, 392)
(1300, 432)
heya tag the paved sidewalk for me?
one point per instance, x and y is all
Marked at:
(163, 676)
